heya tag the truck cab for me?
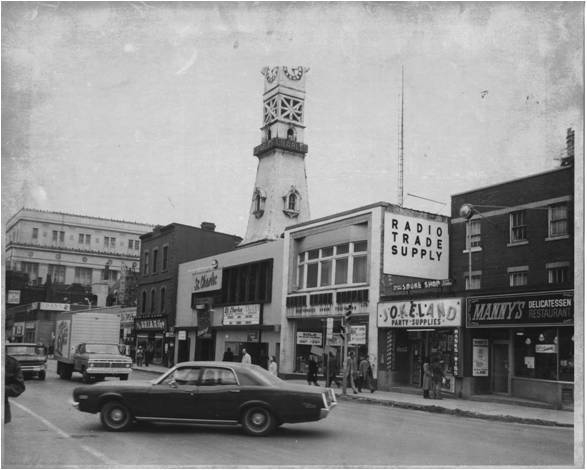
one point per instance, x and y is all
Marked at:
(31, 357)
(95, 361)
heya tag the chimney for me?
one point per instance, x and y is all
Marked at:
(568, 159)
(210, 226)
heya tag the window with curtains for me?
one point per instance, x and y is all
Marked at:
(518, 227)
(56, 273)
(473, 230)
(342, 264)
(558, 216)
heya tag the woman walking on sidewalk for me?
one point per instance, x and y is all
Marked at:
(437, 377)
(427, 379)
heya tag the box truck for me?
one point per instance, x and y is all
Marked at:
(88, 343)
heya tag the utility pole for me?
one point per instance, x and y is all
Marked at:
(345, 327)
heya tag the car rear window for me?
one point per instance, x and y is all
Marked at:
(247, 377)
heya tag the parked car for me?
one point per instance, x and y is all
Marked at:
(207, 392)
(32, 358)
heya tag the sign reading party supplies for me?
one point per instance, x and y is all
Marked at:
(242, 314)
(309, 338)
(420, 314)
(207, 281)
(415, 247)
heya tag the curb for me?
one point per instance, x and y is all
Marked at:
(455, 412)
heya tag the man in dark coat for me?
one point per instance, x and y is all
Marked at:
(13, 384)
(228, 356)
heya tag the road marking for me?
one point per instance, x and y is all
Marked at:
(99, 455)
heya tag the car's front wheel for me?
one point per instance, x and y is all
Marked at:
(258, 421)
(115, 416)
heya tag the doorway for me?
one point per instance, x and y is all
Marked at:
(183, 350)
(500, 367)
(204, 349)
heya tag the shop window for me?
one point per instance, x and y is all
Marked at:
(518, 227)
(558, 216)
(544, 353)
(518, 276)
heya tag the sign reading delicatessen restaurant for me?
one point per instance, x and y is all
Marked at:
(540, 308)
(435, 313)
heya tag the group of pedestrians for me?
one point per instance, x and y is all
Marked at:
(433, 376)
(144, 356)
(357, 375)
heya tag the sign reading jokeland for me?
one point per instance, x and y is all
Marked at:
(420, 314)
(242, 315)
(541, 308)
(207, 281)
(415, 247)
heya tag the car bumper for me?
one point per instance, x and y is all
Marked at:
(75, 404)
(37, 368)
(108, 370)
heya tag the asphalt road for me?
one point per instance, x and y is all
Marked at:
(48, 432)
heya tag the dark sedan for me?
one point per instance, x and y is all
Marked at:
(219, 393)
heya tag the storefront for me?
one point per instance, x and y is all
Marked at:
(150, 334)
(412, 330)
(522, 345)
(317, 331)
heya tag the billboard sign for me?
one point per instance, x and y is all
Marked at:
(242, 315)
(415, 247)
(437, 313)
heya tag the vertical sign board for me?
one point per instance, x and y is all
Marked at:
(480, 357)
(415, 247)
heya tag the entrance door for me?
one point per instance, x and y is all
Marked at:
(204, 349)
(183, 350)
(500, 367)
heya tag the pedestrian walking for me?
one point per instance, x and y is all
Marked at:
(312, 375)
(228, 356)
(246, 357)
(273, 366)
(13, 384)
(427, 377)
(365, 375)
(140, 355)
(350, 371)
(332, 370)
(437, 377)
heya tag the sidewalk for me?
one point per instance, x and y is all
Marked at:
(514, 413)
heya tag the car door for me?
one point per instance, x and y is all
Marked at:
(219, 394)
(176, 397)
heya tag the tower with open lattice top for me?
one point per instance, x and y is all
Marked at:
(280, 195)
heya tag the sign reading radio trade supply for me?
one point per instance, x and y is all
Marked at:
(242, 315)
(415, 247)
(419, 314)
(309, 338)
(207, 281)
(540, 308)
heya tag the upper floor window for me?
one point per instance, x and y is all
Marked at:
(32, 269)
(518, 276)
(518, 226)
(146, 263)
(153, 301)
(164, 260)
(35, 233)
(558, 216)
(473, 281)
(137, 246)
(58, 236)
(291, 203)
(473, 234)
(259, 198)
(144, 302)
(84, 238)
(345, 263)
(155, 259)
(558, 273)
(130, 244)
(247, 283)
(162, 299)
(56, 273)
(83, 276)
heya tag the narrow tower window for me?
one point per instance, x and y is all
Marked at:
(291, 134)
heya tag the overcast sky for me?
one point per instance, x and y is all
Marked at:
(149, 112)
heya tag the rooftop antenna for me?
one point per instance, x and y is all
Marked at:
(400, 163)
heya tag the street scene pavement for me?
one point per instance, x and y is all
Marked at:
(47, 432)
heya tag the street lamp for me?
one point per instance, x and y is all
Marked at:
(466, 211)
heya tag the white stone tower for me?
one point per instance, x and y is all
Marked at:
(280, 196)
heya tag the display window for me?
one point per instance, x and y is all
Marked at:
(545, 353)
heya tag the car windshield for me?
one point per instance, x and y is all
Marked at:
(25, 350)
(102, 349)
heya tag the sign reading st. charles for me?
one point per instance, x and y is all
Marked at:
(207, 281)
(415, 247)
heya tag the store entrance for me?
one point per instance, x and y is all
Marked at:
(204, 349)
(183, 350)
(500, 367)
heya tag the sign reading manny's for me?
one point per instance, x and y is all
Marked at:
(415, 247)
(541, 308)
(420, 313)
(207, 281)
(242, 315)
